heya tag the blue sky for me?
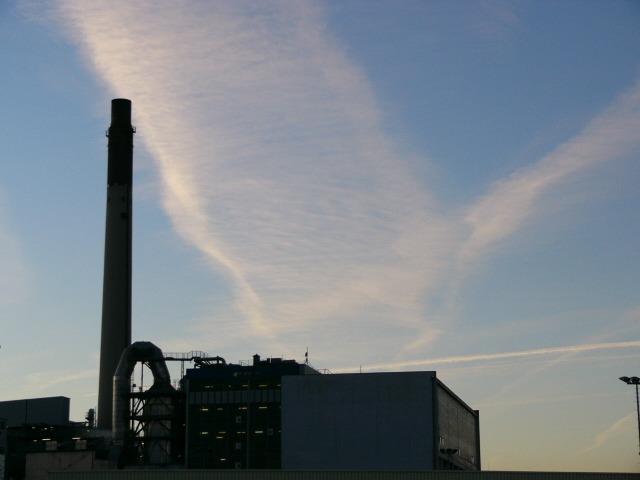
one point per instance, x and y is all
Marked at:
(446, 186)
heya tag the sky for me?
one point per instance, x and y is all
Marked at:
(392, 186)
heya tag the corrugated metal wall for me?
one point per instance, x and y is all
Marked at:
(327, 475)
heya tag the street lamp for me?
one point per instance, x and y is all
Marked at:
(635, 381)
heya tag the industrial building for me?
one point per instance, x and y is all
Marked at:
(226, 416)
(280, 414)
(268, 414)
(234, 412)
(401, 421)
(41, 426)
(41, 448)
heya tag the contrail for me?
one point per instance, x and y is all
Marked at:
(494, 356)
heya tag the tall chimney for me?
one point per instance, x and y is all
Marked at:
(116, 293)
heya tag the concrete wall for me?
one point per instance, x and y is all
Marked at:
(371, 421)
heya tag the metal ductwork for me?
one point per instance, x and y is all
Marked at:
(157, 408)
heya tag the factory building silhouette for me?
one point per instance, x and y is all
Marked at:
(266, 413)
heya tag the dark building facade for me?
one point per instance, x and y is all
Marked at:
(269, 414)
(77, 442)
(233, 413)
(41, 426)
(280, 414)
(46, 410)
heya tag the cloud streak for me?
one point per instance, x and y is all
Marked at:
(275, 166)
(511, 201)
(44, 381)
(272, 159)
(496, 356)
(623, 425)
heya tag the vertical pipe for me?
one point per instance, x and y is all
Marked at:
(638, 410)
(478, 458)
(116, 293)
(435, 418)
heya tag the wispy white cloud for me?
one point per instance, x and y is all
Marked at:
(497, 356)
(511, 201)
(623, 425)
(275, 166)
(272, 158)
(43, 381)
(501, 402)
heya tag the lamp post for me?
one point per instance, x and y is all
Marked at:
(635, 381)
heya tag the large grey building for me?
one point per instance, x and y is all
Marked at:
(279, 414)
(376, 421)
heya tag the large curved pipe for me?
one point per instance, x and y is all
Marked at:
(145, 352)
